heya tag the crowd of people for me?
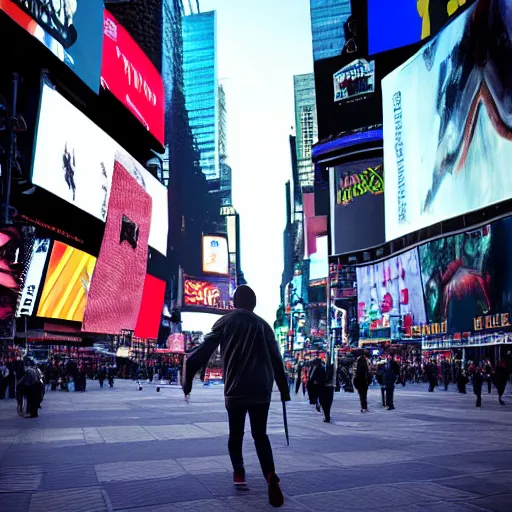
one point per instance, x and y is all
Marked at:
(319, 380)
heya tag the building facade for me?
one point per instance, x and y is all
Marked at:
(306, 127)
(328, 18)
(201, 87)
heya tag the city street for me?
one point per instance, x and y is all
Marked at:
(127, 450)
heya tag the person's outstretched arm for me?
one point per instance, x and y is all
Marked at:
(277, 365)
(199, 357)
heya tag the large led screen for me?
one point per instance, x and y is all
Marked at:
(391, 288)
(457, 276)
(66, 285)
(118, 283)
(215, 255)
(357, 205)
(210, 293)
(71, 29)
(448, 122)
(129, 74)
(12, 249)
(74, 159)
(35, 265)
(319, 260)
(150, 312)
(396, 23)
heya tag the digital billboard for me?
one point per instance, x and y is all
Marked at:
(457, 274)
(447, 122)
(391, 288)
(150, 313)
(118, 283)
(396, 23)
(131, 77)
(215, 255)
(11, 257)
(74, 160)
(72, 30)
(357, 205)
(207, 292)
(36, 263)
(66, 286)
(319, 260)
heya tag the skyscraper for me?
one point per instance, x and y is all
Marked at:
(328, 18)
(201, 87)
(306, 127)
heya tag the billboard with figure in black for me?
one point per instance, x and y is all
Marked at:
(357, 206)
(448, 122)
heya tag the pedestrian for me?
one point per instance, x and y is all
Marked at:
(501, 376)
(478, 380)
(380, 376)
(251, 362)
(363, 380)
(102, 374)
(110, 375)
(462, 379)
(31, 387)
(391, 371)
(488, 375)
(326, 396)
(431, 372)
(445, 370)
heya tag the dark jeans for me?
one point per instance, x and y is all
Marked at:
(363, 397)
(326, 397)
(258, 415)
(390, 390)
(383, 396)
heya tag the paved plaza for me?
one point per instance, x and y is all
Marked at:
(140, 451)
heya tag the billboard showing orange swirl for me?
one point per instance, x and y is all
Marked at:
(66, 285)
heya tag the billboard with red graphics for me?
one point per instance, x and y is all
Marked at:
(151, 306)
(131, 77)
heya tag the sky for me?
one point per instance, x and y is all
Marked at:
(261, 44)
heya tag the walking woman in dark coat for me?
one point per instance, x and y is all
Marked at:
(362, 380)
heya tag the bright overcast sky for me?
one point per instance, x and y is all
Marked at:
(261, 45)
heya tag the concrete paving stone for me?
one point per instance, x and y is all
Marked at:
(434, 490)
(501, 503)
(76, 500)
(141, 493)
(125, 434)
(165, 432)
(259, 502)
(349, 459)
(140, 470)
(46, 455)
(485, 484)
(215, 427)
(362, 498)
(15, 501)
(206, 505)
(200, 465)
(16, 479)
(445, 506)
(221, 484)
(68, 476)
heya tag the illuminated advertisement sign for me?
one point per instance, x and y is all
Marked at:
(176, 343)
(131, 77)
(71, 30)
(151, 306)
(207, 292)
(215, 255)
(32, 282)
(389, 289)
(447, 123)
(396, 23)
(67, 282)
(11, 256)
(354, 79)
(357, 205)
(74, 159)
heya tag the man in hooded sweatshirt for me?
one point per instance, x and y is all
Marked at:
(251, 362)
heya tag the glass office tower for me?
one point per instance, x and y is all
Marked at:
(327, 20)
(201, 87)
(306, 126)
